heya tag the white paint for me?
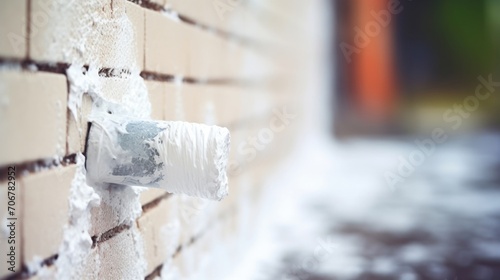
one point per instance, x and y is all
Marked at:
(77, 241)
(180, 157)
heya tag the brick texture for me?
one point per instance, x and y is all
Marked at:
(87, 32)
(166, 44)
(43, 95)
(13, 28)
(160, 230)
(45, 209)
(156, 92)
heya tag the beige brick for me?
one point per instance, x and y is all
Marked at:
(174, 109)
(45, 201)
(206, 12)
(4, 235)
(136, 15)
(231, 16)
(185, 102)
(166, 44)
(262, 103)
(160, 231)
(118, 257)
(228, 104)
(87, 32)
(198, 53)
(219, 58)
(199, 103)
(33, 109)
(156, 92)
(77, 130)
(13, 25)
(206, 53)
(151, 194)
(232, 60)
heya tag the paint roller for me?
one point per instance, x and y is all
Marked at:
(179, 157)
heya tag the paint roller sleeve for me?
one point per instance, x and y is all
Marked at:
(178, 157)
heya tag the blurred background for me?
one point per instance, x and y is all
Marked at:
(426, 58)
(404, 180)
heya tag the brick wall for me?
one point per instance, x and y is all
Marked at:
(219, 62)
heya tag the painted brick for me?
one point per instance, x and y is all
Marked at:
(232, 60)
(113, 89)
(87, 32)
(34, 107)
(45, 210)
(160, 231)
(166, 44)
(118, 203)
(4, 244)
(13, 25)
(156, 92)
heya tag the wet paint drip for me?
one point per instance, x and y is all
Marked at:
(180, 157)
